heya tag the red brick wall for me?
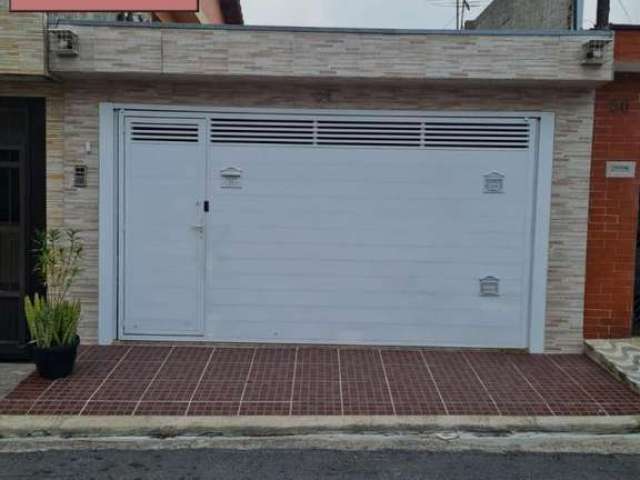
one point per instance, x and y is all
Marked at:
(613, 215)
(627, 45)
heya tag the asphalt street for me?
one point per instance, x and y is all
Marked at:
(303, 464)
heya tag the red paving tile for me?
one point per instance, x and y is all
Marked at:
(170, 390)
(523, 408)
(576, 408)
(98, 353)
(266, 355)
(161, 408)
(367, 408)
(133, 370)
(353, 372)
(265, 408)
(219, 392)
(414, 393)
(190, 354)
(57, 407)
(312, 391)
(213, 408)
(373, 391)
(268, 392)
(420, 408)
(109, 408)
(178, 370)
(410, 374)
(233, 355)
(402, 357)
(15, 407)
(316, 408)
(29, 390)
(147, 354)
(72, 389)
(194, 380)
(308, 371)
(226, 372)
(272, 372)
(94, 369)
(479, 407)
(121, 390)
(318, 355)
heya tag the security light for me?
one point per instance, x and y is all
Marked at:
(594, 51)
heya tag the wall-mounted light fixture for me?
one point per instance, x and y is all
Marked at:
(64, 43)
(594, 52)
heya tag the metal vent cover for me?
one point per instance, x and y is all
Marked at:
(413, 133)
(368, 133)
(489, 286)
(164, 132)
(278, 131)
(476, 135)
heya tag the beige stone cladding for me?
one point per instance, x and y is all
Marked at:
(22, 42)
(72, 120)
(319, 54)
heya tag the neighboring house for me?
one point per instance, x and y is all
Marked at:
(613, 260)
(273, 184)
(529, 15)
(210, 12)
(612, 288)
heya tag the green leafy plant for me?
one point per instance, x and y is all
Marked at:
(53, 319)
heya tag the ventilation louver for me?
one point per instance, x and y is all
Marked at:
(355, 133)
(427, 134)
(262, 131)
(164, 132)
(477, 135)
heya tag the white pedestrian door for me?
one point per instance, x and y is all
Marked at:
(162, 226)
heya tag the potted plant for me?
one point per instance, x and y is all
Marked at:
(53, 318)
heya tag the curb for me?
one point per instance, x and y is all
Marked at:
(166, 427)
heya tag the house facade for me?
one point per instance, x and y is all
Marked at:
(319, 185)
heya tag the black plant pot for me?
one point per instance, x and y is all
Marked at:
(56, 362)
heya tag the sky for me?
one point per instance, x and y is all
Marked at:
(427, 14)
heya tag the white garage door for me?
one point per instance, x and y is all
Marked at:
(329, 229)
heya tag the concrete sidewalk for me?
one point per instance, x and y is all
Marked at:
(11, 374)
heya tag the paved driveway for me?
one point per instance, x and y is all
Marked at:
(207, 380)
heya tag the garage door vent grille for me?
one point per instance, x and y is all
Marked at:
(164, 132)
(415, 134)
(369, 133)
(262, 131)
(476, 135)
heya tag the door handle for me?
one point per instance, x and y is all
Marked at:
(198, 227)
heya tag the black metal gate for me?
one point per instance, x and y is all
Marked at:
(22, 212)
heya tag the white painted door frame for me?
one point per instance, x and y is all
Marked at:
(111, 141)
